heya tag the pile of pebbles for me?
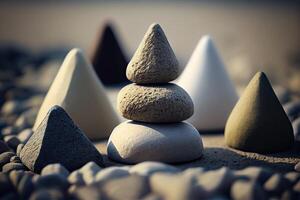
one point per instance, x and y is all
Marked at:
(147, 180)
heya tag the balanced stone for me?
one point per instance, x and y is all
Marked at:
(169, 141)
(58, 140)
(154, 61)
(155, 103)
(258, 122)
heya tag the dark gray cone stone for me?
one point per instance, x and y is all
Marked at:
(58, 140)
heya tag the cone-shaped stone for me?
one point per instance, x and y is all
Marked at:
(154, 61)
(108, 58)
(207, 82)
(77, 89)
(58, 140)
(258, 122)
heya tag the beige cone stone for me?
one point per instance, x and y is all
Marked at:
(77, 89)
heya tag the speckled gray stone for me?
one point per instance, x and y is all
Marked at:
(154, 61)
(55, 140)
(155, 103)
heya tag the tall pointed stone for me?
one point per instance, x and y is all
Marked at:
(154, 61)
(77, 89)
(207, 82)
(258, 122)
(108, 58)
(58, 140)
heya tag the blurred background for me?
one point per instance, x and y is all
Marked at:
(250, 36)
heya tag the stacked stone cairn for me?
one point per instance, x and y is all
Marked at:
(156, 108)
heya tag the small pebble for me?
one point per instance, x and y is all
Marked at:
(149, 167)
(16, 176)
(111, 173)
(15, 159)
(258, 174)
(12, 107)
(25, 186)
(296, 187)
(293, 177)
(297, 167)
(76, 178)
(12, 141)
(55, 169)
(5, 158)
(296, 128)
(89, 192)
(292, 109)
(10, 130)
(89, 171)
(5, 184)
(3, 147)
(47, 194)
(13, 166)
(276, 184)
(19, 148)
(21, 123)
(25, 135)
(247, 190)
(55, 181)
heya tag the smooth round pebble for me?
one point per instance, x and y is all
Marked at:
(297, 167)
(5, 158)
(76, 178)
(111, 173)
(293, 177)
(47, 194)
(276, 184)
(247, 190)
(129, 187)
(149, 167)
(3, 147)
(55, 181)
(133, 142)
(89, 171)
(12, 141)
(90, 192)
(155, 103)
(55, 169)
(13, 166)
(176, 186)
(257, 174)
(25, 135)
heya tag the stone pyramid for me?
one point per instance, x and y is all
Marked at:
(77, 89)
(207, 82)
(258, 122)
(154, 61)
(156, 108)
(58, 140)
(108, 58)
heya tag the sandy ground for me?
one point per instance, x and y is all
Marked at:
(216, 155)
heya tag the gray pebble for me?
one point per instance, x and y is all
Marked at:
(55, 181)
(3, 147)
(258, 174)
(111, 173)
(276, 184)
(55, 169)
(176, 186)
(5, 158)
(5, 184)
(15, 159)
(297, 167)
(12, 141)
(12, 107)
(293, 177)
(13, 166)
(89, 172)
(9, 130)
(47, 194)
(19, 148)
(247, 190)
(292, 109)
(296, 128)
(89, 192)
(133, 187)
(76, 178)
(16, 176)
(24, 135)
(21, 123)
(155, 103)
(216, 181)
(25, 186)
(149, 167)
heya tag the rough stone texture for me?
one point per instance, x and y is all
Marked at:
(19, 148)
(133, 142)
(154, 61)
(55, 140)
(247, 190)
(258, 122)
(108, 58)
(149, 167)
(155, 103)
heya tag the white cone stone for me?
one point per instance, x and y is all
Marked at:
(134, 142)
(207, 82)
(77, 89)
